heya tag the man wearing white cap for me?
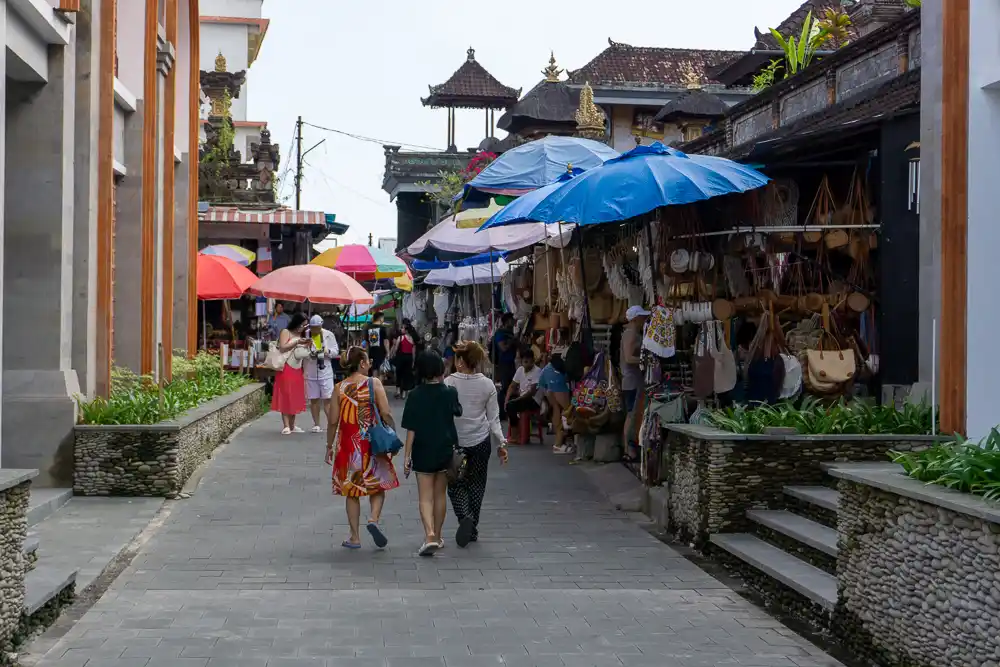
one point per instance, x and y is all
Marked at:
(318, 370)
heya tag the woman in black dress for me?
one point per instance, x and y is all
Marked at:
(431, 438)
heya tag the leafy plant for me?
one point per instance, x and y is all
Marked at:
(451, 182)
(136, 399)
(962, 465)
(766, 77)
(835, 24)
(812, 417)
(913, 3)
(799, 54)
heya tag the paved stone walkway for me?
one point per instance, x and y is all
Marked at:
(246, 573)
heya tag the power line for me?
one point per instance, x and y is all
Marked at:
(331, 179)
(361, 137)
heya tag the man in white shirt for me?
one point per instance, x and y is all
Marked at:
(522, 395)
(318, 369)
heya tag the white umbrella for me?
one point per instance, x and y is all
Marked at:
(448, 237)
(482, 274)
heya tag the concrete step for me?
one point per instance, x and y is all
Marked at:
(811, 582)
(43, 503)
(30, 553)
(799, 528)
(820, 496)
(44, 584)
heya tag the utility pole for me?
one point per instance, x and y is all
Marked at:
(369, 240)
(298, 164)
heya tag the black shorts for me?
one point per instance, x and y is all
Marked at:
(377, 361)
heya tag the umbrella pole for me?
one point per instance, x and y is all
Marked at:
(588, 339)
(204, 326)
(652, 258)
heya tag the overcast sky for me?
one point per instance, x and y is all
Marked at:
(361, 67)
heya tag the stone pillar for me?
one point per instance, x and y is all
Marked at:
(128, 242)
(88, 62)
(931, 71)
(39, 384)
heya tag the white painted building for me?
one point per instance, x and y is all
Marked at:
(236, 29)
(387, 244)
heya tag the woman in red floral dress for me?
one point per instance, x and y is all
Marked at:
(356, 473)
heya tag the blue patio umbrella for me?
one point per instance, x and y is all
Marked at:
(475, 260)
(538, 163)
(522, 209)
(638, 182)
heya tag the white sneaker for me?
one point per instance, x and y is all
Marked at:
(562, 449)
(286, 431)
(428, 549)
(297, 430)
(317, 429)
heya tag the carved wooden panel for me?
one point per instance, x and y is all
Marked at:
(752, 125)
(806, 100)
(869, 70)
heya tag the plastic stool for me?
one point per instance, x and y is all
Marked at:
(524, 423)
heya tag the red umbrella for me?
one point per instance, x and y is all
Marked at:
(222, 278)
(313, 283)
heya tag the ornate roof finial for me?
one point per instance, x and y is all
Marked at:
(471, 54)
(691, 76)
(552, 72)
(590, 119)
(220, 62)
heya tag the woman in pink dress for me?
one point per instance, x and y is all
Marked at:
(356, 473)
(289, 384)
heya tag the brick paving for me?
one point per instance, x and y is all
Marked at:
(248, 573)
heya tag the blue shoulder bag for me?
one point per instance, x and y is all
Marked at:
(383, 439)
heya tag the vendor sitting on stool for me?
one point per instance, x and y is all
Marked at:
(522, 395)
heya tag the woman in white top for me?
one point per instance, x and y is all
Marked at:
(478, 425)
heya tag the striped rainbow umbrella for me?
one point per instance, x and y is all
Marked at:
(241, 256)
(362, 262)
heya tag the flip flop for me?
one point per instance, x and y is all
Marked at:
(350, 545)
(428, 549)
(377, 535)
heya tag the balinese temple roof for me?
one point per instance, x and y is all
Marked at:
(471, 87)
(550, 105)
(652, 67)
(696, 104)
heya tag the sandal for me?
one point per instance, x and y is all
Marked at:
(427, 549)
(347, 544)
(286, 431)
(377, 535)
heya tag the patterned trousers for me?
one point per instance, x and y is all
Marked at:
(467, 495)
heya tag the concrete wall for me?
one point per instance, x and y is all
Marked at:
(240, 8)
(984, 234)
(231, 39)
(131, 17)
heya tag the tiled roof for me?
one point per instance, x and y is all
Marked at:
(793, 24)
(899, 95)
(472, 86)
(623, 64)
(548, 102)
(693, 104)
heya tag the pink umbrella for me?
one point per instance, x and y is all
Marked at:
(313, 283)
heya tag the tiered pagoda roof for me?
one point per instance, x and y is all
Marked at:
(471, 87)
(550, 106)
(695, 104)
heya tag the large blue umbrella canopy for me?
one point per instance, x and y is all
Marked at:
(538, 163)
(522, 209)
(475, 260)
(638, 182)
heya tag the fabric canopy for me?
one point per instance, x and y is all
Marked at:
(481, 274)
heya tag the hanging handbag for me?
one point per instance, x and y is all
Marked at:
(829, 371)
(458, 466)
(725, 362)
(703, 381)
(382, 438)
(614, 391)
(591, 397)
(275, 359)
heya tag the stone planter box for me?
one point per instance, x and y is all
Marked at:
(156, 460)
(918, 572)
(14, 485)
(715, 476)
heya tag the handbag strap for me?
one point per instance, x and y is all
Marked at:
(376, 416)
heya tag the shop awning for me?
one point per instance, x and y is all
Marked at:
(282, 216)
